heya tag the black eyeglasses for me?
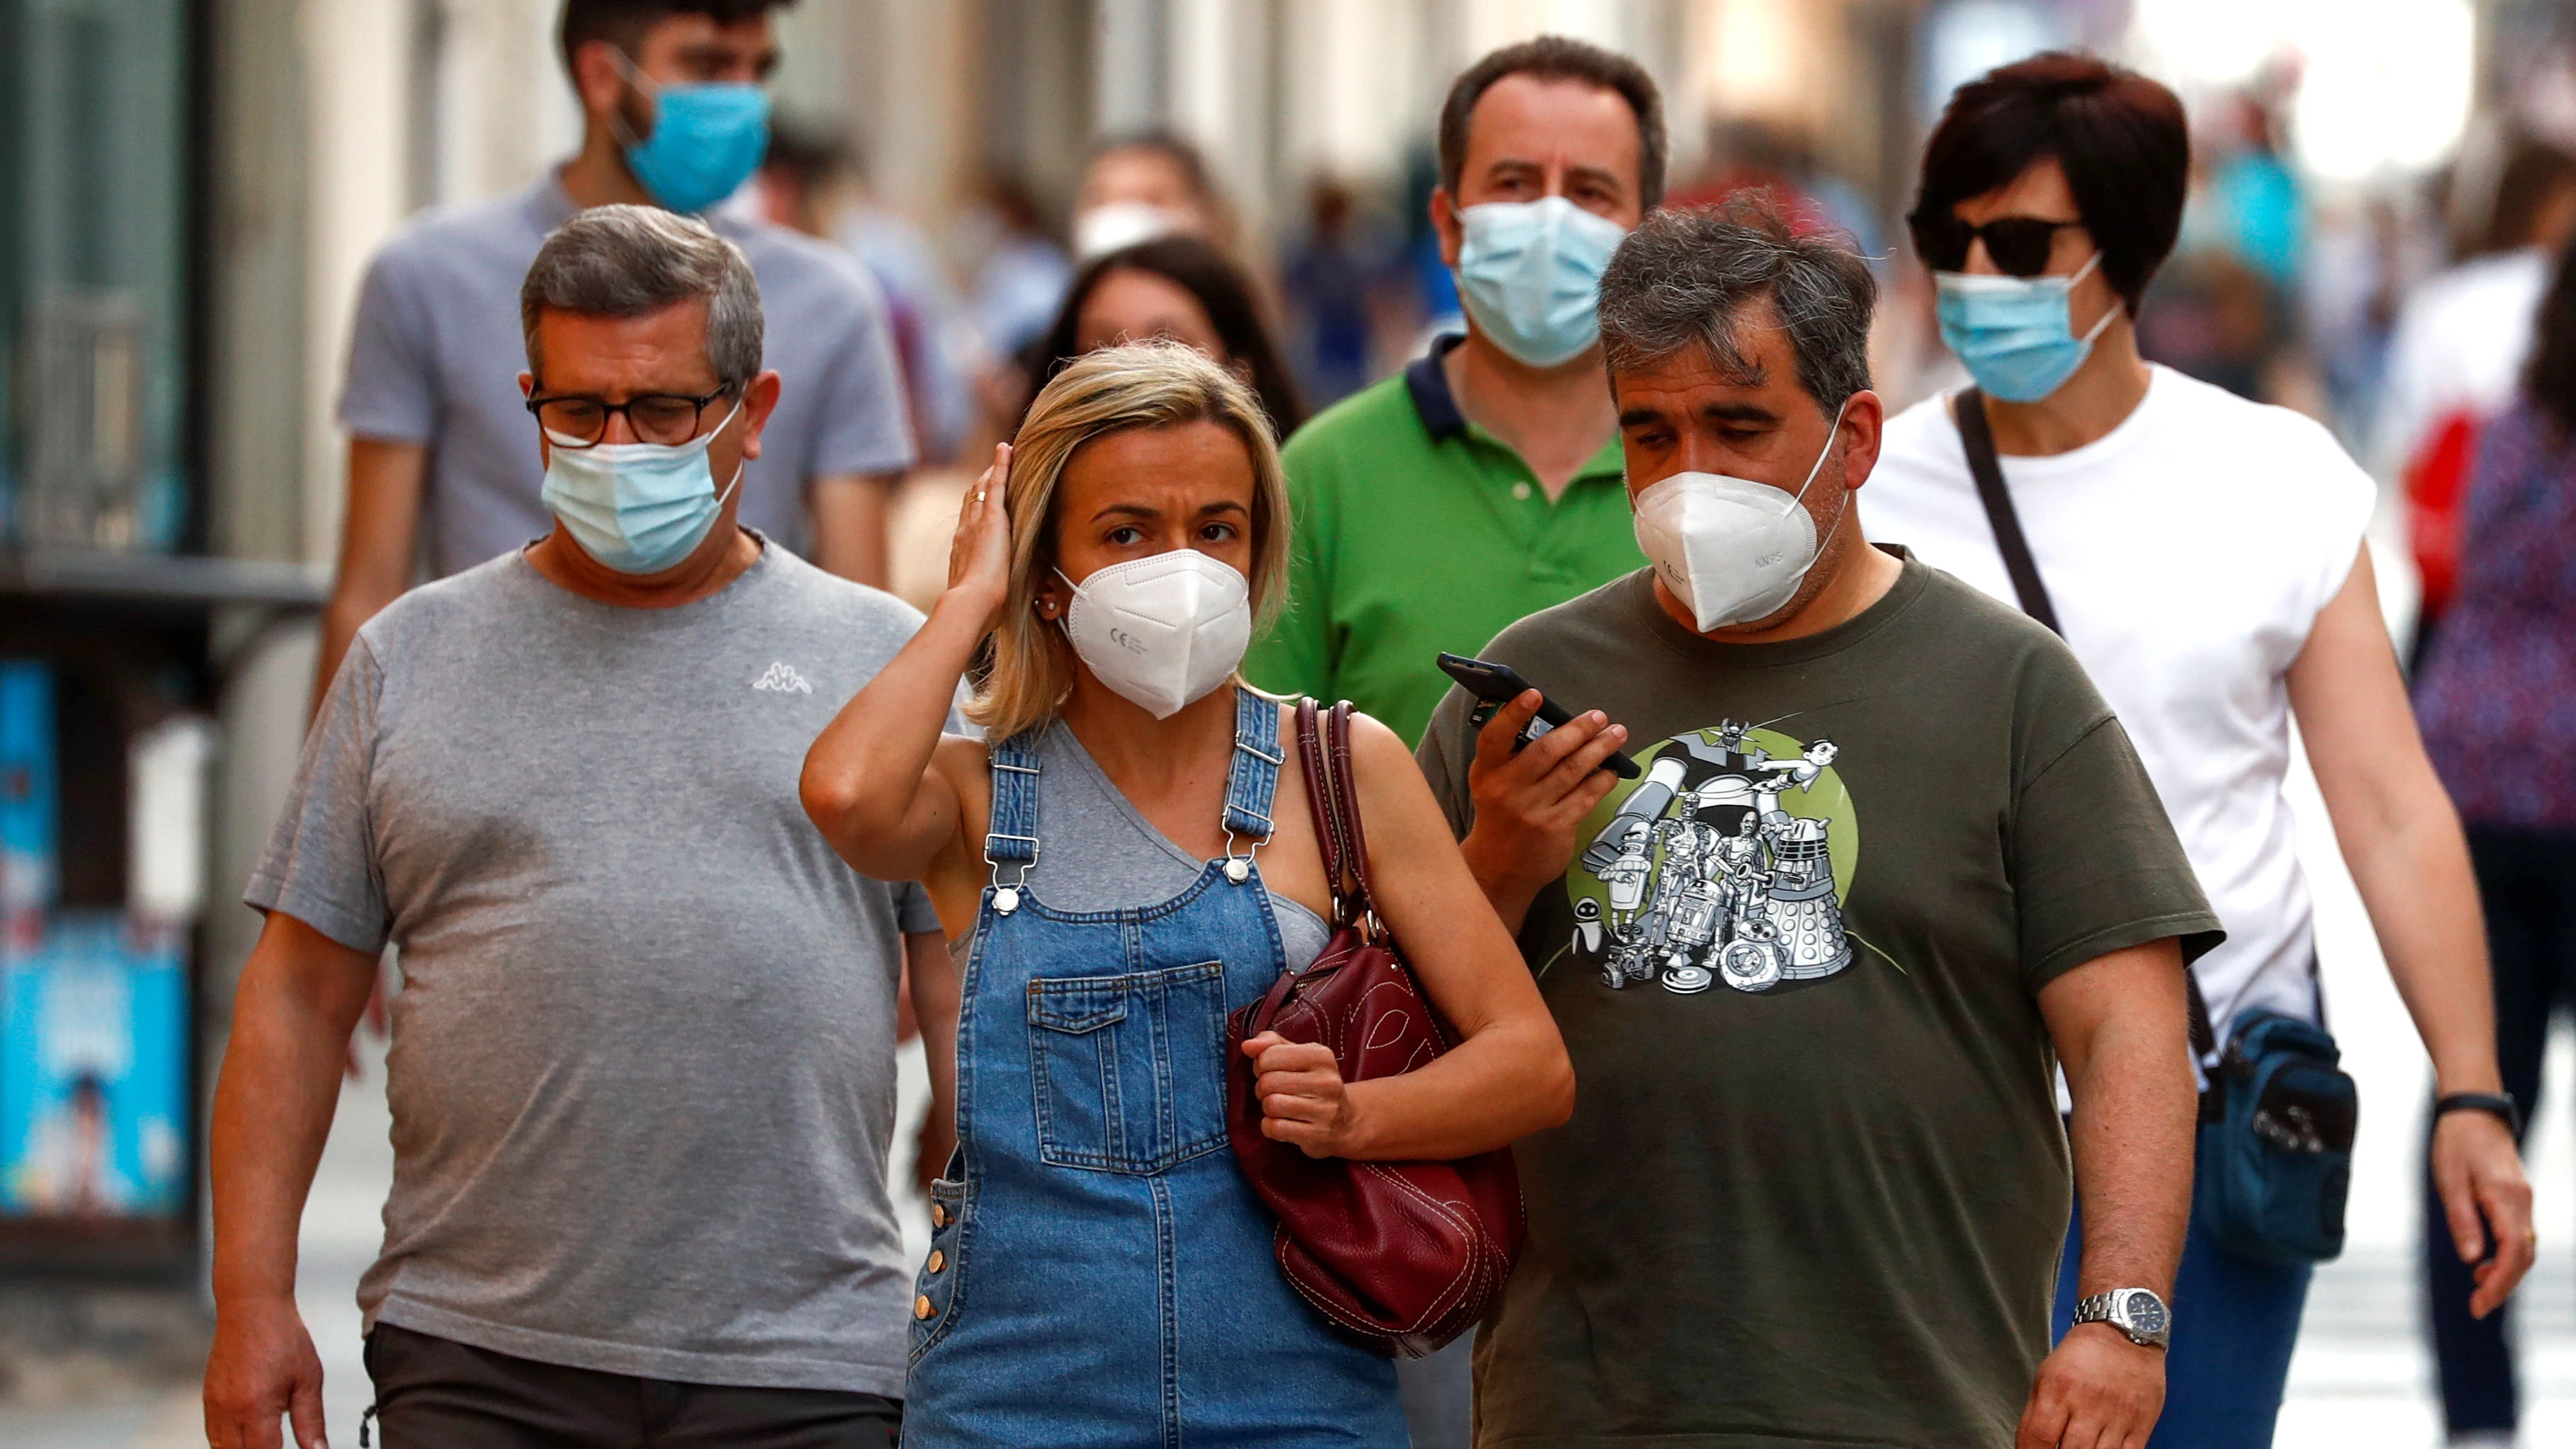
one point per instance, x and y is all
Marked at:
(667, 418)
(2019, 244)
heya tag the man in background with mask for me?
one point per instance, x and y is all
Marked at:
(1813, 1189)
(1482, 484)
(674, 116)
(643, 1078)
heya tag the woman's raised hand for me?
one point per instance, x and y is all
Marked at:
(979, 558)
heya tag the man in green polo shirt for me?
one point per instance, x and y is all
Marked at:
(1483, 484)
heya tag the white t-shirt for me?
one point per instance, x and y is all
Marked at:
(2188, 553)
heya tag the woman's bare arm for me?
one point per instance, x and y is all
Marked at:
(881, 782)
(1507, 1077)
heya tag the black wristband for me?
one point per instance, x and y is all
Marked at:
(2499, 1105)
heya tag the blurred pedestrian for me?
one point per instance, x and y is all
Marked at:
(1102, 1273)
(1751, 153)
(1482, 484)
(814, 183)
(642, 1077)
(2203, 556)
(1334, 284)
(1889, 855)
(1142, 186)
(674, 114)
(1021, 280)
(1179, 289)
(2494, 699)
(2457, 355)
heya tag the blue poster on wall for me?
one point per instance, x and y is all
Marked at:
(93, 1061)
(28, 870)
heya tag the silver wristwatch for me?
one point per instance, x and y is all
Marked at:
(2137, 1312)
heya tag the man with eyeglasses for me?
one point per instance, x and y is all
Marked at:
(643, 1079)
(439, 476)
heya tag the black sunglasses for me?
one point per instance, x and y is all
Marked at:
(2019, 244)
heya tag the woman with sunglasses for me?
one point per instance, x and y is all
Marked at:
(2203, 555)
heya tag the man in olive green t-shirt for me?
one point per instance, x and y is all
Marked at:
(1482, 484)
(1888, 862)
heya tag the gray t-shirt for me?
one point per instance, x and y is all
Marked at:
(642, 1072)
(437, 350)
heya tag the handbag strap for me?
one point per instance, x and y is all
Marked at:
(1319, 803)
(1316, 758)
(1979, 441)
(1346, 814)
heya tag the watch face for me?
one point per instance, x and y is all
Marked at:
(2145, 1313)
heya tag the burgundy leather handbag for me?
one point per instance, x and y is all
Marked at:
(1404, 1256)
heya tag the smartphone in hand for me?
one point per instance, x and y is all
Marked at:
(1500, 684)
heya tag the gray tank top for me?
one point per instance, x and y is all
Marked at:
(1097, 853)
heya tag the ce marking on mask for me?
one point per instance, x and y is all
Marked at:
(1728, 861)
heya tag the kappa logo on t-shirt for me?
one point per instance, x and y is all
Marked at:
(1726, 862)
(783, 678)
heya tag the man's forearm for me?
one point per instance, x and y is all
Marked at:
(273, 1107)
(2132, 1136)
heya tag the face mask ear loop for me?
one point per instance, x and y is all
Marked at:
(1818, 466)
(651, 90)
(2080, 274)
(738, 468)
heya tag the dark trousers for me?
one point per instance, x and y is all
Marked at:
(433, 1393)
(2528, 886)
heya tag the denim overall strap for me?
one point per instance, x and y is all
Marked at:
(1252, 781)
(1011, 836)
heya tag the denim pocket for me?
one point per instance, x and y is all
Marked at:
(1129, 1071)
(938, 1289)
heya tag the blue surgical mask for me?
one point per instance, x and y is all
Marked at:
(638, 508)
(2016, 334)
(706, 141)
(1529, 273)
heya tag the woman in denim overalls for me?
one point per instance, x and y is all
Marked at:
(1133, 863)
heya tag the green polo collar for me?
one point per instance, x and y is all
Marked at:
(1427, 383)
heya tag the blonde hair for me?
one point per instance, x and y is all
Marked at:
(1112, 390)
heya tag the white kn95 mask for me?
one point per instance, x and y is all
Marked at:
(1731, 549)
(1161, 631)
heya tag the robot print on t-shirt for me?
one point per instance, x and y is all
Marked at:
(1727, 861)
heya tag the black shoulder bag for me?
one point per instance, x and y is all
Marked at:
(2276, 1124)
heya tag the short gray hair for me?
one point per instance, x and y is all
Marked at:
(632, 261)
(1683, 278)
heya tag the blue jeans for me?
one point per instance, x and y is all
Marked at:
(2235, 1321)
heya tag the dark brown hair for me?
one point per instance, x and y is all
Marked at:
(1223, 292)
(622, 23)
(2536, 174)
(2119, 137)
(1554, 57)
(2549, 379)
